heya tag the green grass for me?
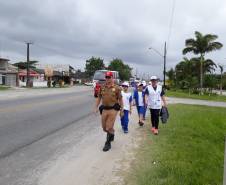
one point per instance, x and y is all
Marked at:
(189, 149)
(3, 87)
(181, 94)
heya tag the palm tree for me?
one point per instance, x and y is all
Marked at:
(186, 73)
(23, 65)
(201, 45)
(208, 65)
(222, 69)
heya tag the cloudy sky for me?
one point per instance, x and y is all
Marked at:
(72, 31)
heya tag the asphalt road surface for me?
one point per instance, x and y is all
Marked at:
(33, 129)
(52, 137)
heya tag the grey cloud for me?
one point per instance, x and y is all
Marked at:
(76, 30)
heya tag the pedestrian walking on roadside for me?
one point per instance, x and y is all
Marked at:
(110, 97)
(139, 98)
(127, 103)
(145, 108)
(155, 99)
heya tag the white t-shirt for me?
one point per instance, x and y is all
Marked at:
(140, 99)
(127, 99)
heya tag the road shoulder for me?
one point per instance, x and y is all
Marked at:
(93, 166)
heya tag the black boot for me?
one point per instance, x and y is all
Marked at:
(112, 137)
(107, 145)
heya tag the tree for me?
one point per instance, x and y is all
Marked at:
(224, 81)
(23, 65)
(201, 45)
(210, 82)
(171, 74)
(185, 74)
(123, 69)
(221, 83)
(208, 68)
(171, 77)
(92, 65)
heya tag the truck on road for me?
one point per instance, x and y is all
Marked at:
(99, 79)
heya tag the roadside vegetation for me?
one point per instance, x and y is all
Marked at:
(2, 87)
(205, 96)
(188, 150)
(93, 64)
(198, 74)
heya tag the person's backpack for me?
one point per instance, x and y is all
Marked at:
(164, 114)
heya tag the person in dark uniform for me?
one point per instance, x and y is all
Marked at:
(111, 98)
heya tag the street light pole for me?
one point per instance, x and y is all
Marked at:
(164, 65)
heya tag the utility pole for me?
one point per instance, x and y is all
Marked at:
(28, 60)
(164, 69)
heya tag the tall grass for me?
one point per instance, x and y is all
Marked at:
(189, 149)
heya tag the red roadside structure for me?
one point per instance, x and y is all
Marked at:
(32, 74)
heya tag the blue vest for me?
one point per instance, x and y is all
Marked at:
(136, 97)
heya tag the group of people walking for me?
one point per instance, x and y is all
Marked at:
(114, 99)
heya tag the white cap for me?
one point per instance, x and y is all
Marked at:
(139, 84)
(144, 83)
(125, 84)
(154, 78)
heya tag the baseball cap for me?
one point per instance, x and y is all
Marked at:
(154, 78)
(140, 84)
(144, 83)
(125, 84)
(109, 73)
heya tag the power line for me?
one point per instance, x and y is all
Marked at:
(56, 51)
(171, 23)
(53, 50)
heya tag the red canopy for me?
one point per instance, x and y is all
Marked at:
(31, 73)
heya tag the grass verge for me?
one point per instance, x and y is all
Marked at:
(3, 87)
(181, 94)
(189, 149)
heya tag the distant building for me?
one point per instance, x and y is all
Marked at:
(56, 72)
(81, 77)
(8, 73)
(33, 75)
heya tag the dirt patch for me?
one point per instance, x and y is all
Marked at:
(87, 164)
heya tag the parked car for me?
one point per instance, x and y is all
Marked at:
(99, 79)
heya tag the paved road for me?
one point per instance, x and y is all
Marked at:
(31, 130)
(36, 130)
(173, 100)
(25, 93)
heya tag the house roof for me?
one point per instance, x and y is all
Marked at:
(4, 59)
(40, 71)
